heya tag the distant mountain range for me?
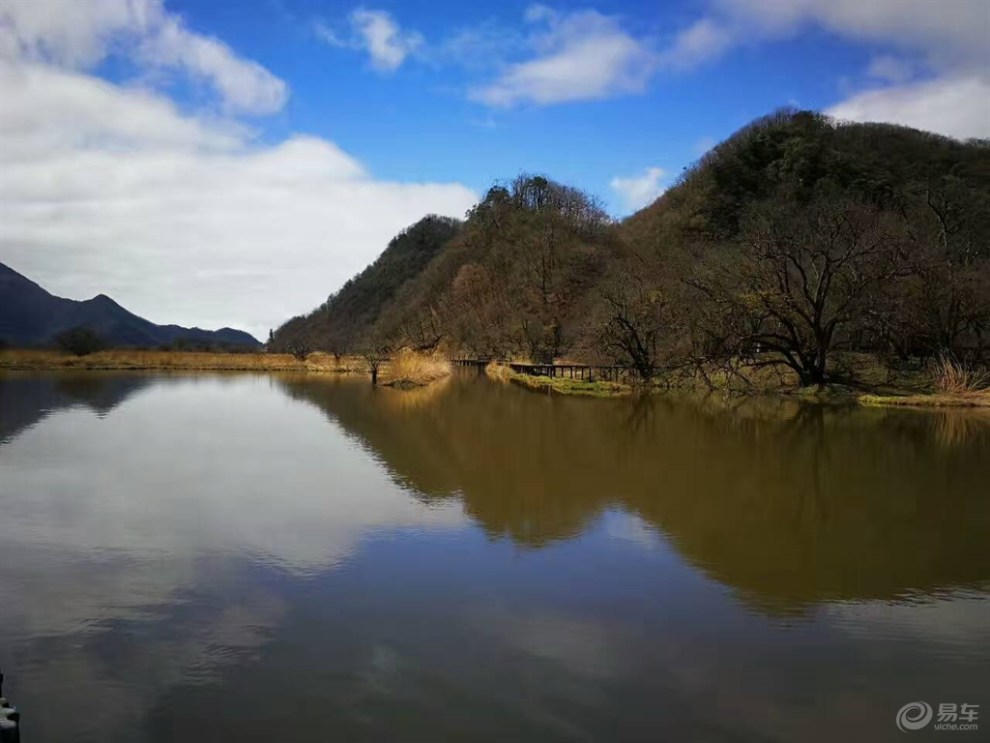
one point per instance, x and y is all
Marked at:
(31, 316)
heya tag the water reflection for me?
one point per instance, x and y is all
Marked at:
(135, 538)
(789, 504)
(26, 398)
(207, 558)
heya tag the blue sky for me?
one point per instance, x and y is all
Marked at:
(231, 163)
(417, 121)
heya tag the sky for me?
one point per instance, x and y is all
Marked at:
(231, 162)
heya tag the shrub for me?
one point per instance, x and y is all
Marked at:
(300, 349)
(410, 367)
(952, 377)
(79, 341)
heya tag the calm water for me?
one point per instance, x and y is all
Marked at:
(257, 558)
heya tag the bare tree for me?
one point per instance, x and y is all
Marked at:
(337, 343)
(952, 267)
(800, 276)
(375, 355)
(637, 316)
(300, 348)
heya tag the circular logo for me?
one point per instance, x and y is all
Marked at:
(914, 716)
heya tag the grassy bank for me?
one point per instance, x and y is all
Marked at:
(942, 384)
(556, 385)
(405, 369)
(408, 368)
(951, 385)
(135, 360)
(934, 400)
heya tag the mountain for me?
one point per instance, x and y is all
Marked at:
(31, 316)
(346, 319)
(518, 275)
(798, 235)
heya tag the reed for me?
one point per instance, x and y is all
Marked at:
(408, 368)
(953, 378)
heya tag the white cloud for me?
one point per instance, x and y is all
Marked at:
(946, 33)
(385, 42)
(182, 218)
(159, 544)
(48, 111)
(891, 69)
(947, 41)
(640, 190)
(580, 56)
(948, 30)
(376, 32)
(244, 85)
(70, 32)
(700, 42)
(585, 55)
(79, 34)
(957, 107)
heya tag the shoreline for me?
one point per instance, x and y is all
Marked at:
(405, 371)
(937, 400)
(829, 395)
(27, 360)
(557, 385)
(135, 360)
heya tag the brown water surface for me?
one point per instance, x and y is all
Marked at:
(292, 558)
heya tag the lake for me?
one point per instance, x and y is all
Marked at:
(291, 558)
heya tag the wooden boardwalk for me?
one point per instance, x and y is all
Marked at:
(586, 372)
(481, 363)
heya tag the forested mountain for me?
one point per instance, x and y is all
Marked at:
(797, 236)
(30, 316)
(516, 277)
(347, 320)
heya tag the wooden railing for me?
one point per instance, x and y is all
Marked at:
(587, 372)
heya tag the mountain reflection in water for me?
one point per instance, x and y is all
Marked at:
(790, 504)
(256, 558)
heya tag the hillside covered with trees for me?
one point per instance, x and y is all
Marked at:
(794, 240)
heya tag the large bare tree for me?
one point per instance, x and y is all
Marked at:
(799, 277)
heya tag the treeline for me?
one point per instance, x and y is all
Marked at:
(795, 239)
(83, 340)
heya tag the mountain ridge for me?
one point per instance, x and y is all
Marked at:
(32, 316)
(718, 265)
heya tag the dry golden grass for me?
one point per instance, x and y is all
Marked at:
(413, 369)
(407, 400)
(951, 377)
(130, 359)
(557, 385)
(938, 400)
(498, 372)
(955, 385)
